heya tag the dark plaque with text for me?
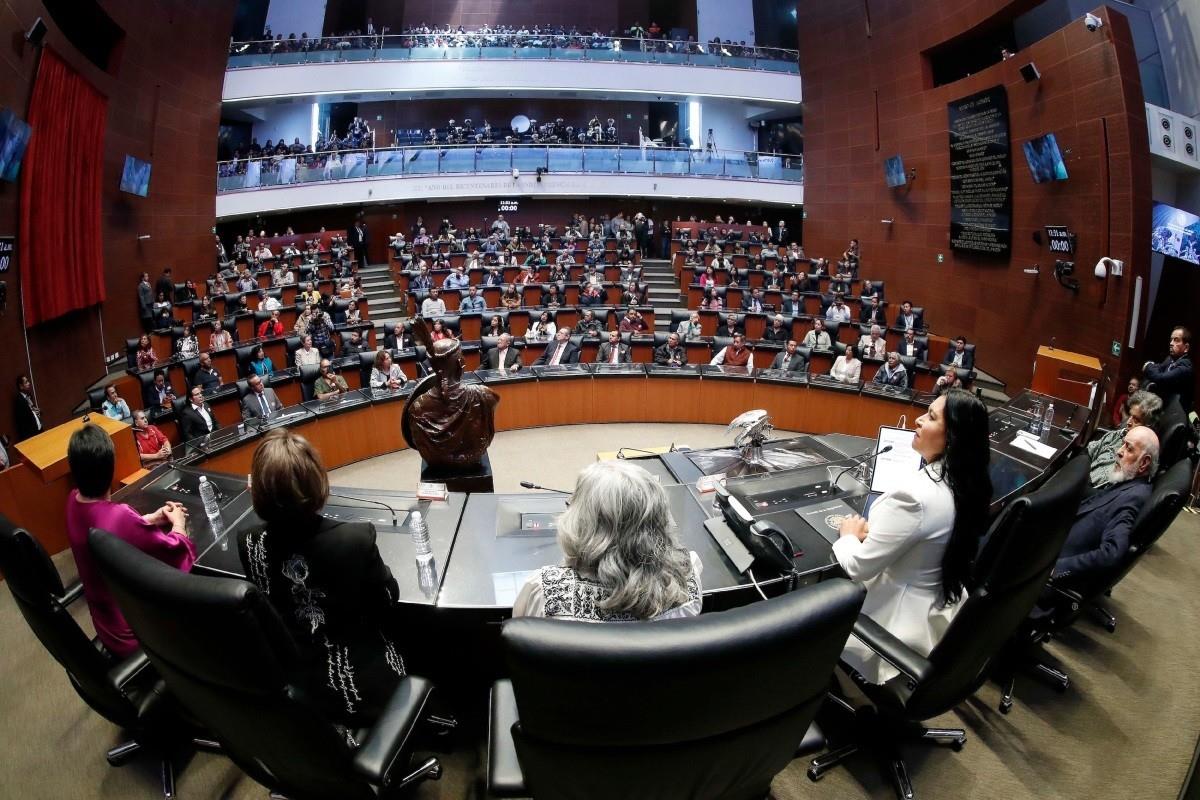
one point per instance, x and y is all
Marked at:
(980, 173)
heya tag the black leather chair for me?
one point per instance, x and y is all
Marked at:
(131, 349)
(291, 344)
(230, 324)
(608, 710)
(308, 379)
(259, 318)
(1015, 560)
(232, 670)
(1175, 433)
(125, 692)
(243, 355)
(190, 366)
(96, 398)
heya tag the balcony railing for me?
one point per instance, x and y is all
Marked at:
(256, 173)
(448, 47)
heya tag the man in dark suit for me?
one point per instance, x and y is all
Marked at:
(560, 351)
(196, 418)
(1099, 536)
(909, 318)
(788, 359)
(614, 351)
(959, 356)
(670, 353)
(261, 401)
(911, 347)
(793, 306)
(146, 302)
(397, 339)
(503, 355)
(26, 415)
(206, 376)
(777, 331)
(1174, 375)
(730, 327)
(358, 240)
(159, 393)
(753, 302)
(165, 285)
(872, 313)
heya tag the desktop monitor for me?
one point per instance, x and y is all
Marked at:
(135, 178)
(1175, 233)
(893, 170)
(1044, 159)
(14, 137)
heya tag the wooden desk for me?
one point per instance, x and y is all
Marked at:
(1064, 374)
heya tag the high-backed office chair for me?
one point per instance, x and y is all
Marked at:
(308, 379)
(610, 710)
(340, 307)
(244, 354)
(233, 670)
(190, 366)
(1176, 432)
(125, 692)
(96, 398)
(679, 315)
(291, 344)
(1015, 560)
(230, 324)
(873, 288)
(131, 349)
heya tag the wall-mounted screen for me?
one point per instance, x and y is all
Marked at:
(135, 178)
(14, 137)
(1045, 160)
(893, 170)
(1175, 232)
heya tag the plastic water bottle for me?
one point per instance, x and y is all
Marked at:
(426, 574)
(1035, 425)
(1048, 420)
(212, 509)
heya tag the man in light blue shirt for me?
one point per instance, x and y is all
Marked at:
(472, 302)
(456, 280)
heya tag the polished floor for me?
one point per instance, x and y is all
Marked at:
(1127, 727)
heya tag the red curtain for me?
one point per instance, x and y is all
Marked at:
(61, 247)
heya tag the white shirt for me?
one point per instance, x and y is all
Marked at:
(844, 372)
(305, 357)
(270, 304)
(433, 308)
(203, 412)
(900, 563)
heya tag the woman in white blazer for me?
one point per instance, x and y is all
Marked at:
(846, 368)
(914, 553)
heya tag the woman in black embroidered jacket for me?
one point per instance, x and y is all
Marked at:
(325, 578)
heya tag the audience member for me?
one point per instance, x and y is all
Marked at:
(145, 295)
(623, 561)
(560, 351)
(838, 311)
(113, 406)
(306, 354)
(733, 355)
(730, 326)
(153, 446)
(433, 305)
(959, 356)
(789, 359)
(397, 338)
(260, 402)
(753, 302)
(206, 377)
(271, 328)
(909, 319)
(1144, 410)
(818, 338)
(872, 313)
(1120, 411)
(892, 373)
(947, 381)
(161, 534)
(473, 303)
(689, 328)
(872, 345)
(1174, 376)
(196, 418)
(386, 374)
(846, 368)
(503, 356)
(158, 394)
(541, 328)
(613, 351)
(671, 353)
(145, 353)
(632, 322)
(327, 581)
(778, 331)
(911, 347)
(219, 339)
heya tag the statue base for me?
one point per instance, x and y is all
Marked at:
(477, 478)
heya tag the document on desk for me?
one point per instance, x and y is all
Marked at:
(1024, 440)
(826, 518)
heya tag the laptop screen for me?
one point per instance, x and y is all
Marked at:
(896, 465)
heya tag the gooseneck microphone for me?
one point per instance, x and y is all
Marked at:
(528, 485)
(859, 461)
(395, 518)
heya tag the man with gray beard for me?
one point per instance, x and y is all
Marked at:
(1144, 408)
(1099, 536)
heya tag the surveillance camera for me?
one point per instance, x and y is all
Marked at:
(516, 173)
(1092, 22)
(1109, 266)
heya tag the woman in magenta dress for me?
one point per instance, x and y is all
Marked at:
(161, 534)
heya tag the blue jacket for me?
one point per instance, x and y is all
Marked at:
(1099, 537)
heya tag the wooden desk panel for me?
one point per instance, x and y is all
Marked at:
(675, 399)
(564, 401)
(787, 405)
(518, 406)
(722, 400)
(621, 399)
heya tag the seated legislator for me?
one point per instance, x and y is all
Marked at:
(153, 446)
(219, 339)
(146, 358)
(196, 418)
(959, 356)
(872, 345)
(472, 303)
(1099, 535)
(261, 363)
(846, 368)
(793, 305)
(1144, 409)
(733, 355)
(329, 384)
(397, 338)
(838, 311)
(326, 579)
(633, 322)
(788, 359)
(872, 313)
(159, 393)
(689, 328)
(753, 302)
(161, 534)
(1173, 376)
(510, 298)
(207, 377)
(355, 346)
(114, 407)
(623, 561)
(588, 325)
(614, 351)
(730, 326)
(503, 356)
(433, 305)
(560, 351)
(908, 319)
(385, 374)
(260, 402)
(671, 353)
(892, 373)
(914, 552)
(818, 337)
(271, 328)
(911, 347)
(541, 328)
(777, 332)
(948, 381)
(306, 354)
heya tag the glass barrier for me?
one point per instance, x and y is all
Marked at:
(270, 171)
(476, 46)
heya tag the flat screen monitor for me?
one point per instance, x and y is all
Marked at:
(1175, 232)
(1044, 159)
(135, 178)
(14, 136)
(893, 169)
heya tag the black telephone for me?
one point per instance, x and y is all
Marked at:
(769, 545)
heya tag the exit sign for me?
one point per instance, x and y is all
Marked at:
(1116, 348)
(941, 258)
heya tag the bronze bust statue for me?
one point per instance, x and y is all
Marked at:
(450, 424)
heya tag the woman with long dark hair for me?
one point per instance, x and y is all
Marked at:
(914, 552)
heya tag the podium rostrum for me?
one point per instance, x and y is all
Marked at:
(1062, 373)
(33, 494)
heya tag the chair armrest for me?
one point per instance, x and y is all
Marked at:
(73, 593)
(814, 741)
(393, 731)
(504, 776)
(891, 649)
(128, 669)
(1063, 593)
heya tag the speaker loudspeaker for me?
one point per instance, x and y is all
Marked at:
(1187, 132)
(1165, 134)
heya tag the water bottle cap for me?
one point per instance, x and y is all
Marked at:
(416, 516)
(204, 479)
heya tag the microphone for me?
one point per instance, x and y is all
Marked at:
(859, 461)
(395, 520)
(528, 485)
(621, 452)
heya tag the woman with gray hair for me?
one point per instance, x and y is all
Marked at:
(623, 562)
(1144, 409)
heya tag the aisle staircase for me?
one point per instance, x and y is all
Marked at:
(663, 292)
(383, 299)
